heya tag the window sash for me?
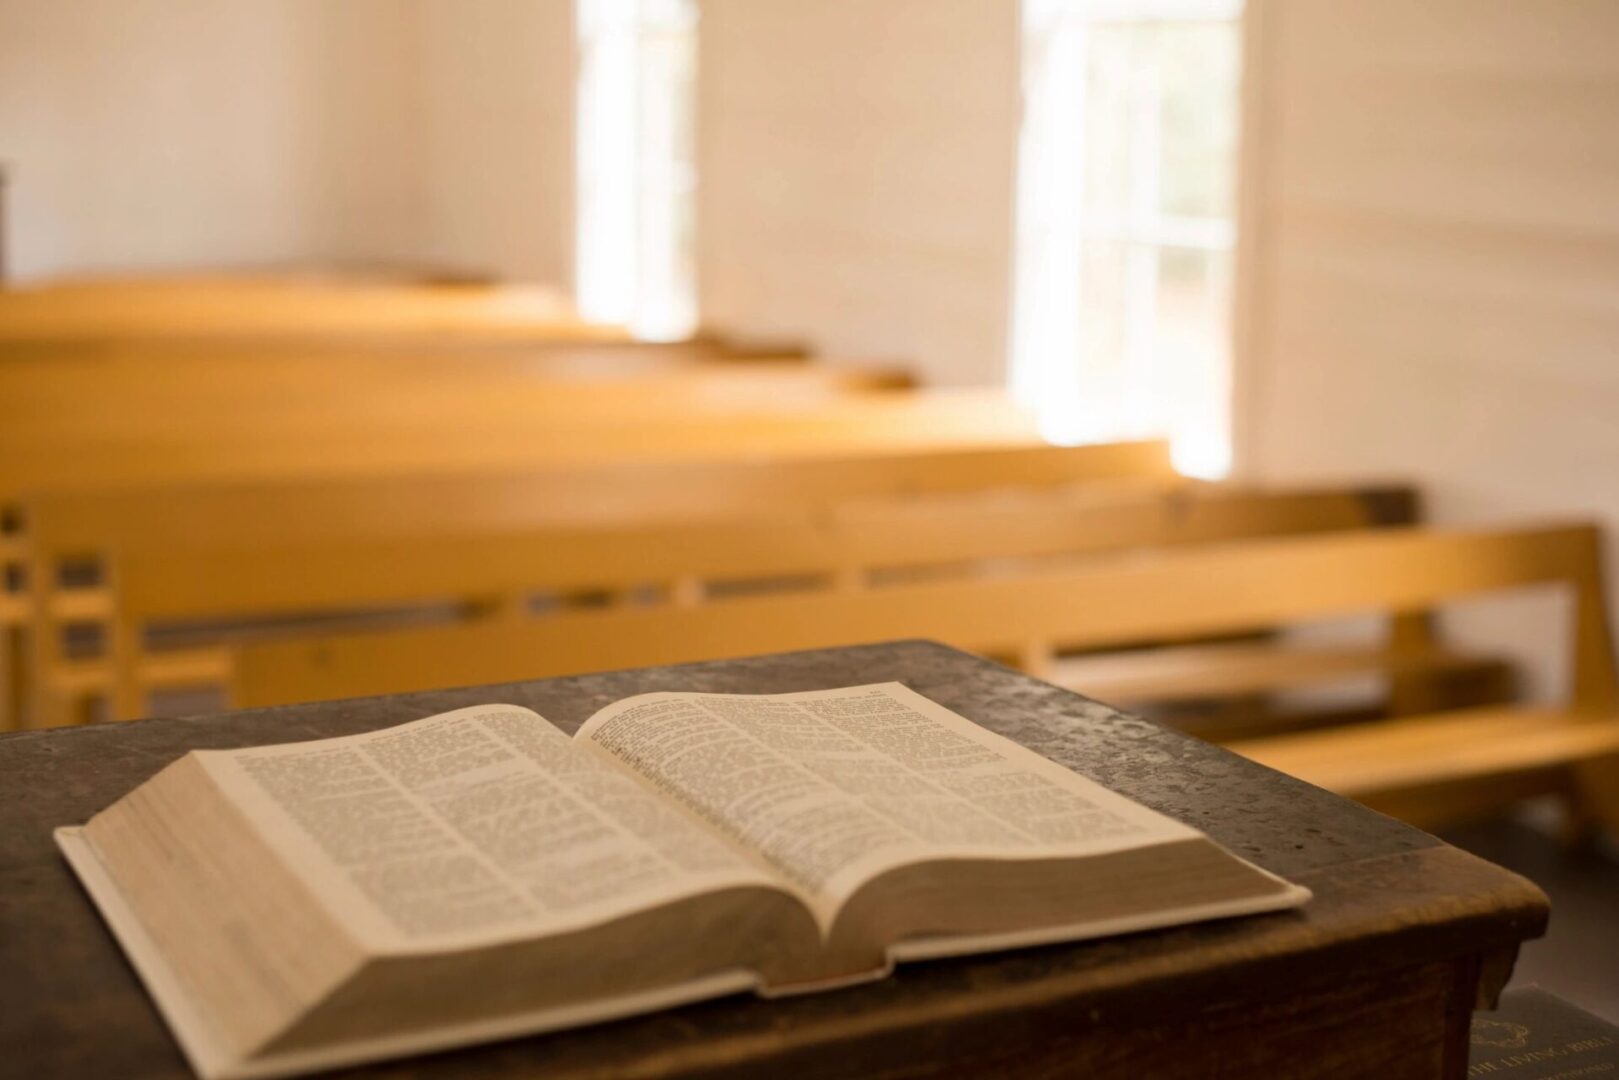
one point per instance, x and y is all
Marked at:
(1086, 390)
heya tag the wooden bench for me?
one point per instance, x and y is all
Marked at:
(367, 444)
(48, 535)
(674, 561)
(1429, 768)
(1229, 690)
(289, 309)
(84, 365)
(68, 407)
(117, 420)
(337, 437)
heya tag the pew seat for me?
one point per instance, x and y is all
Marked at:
(1190, 672)
(1226, 691)
(1432, 770)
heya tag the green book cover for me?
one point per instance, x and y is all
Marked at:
(1538, 1036)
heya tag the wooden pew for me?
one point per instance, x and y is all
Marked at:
(491, 571)
(27, 363)
(77, 519)
(74, 391)
(336, 443)
(235, 316)
(289, 309)
(61, 528)
(366, 272)
(501, 572)
(120, 420)
(1231, 690)
(1428, 768)
(69, 407)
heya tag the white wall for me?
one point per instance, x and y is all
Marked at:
(856, 165)
(1438, 288)
(1435, 283)
(497, 78)
(157, 133)
(185, 133)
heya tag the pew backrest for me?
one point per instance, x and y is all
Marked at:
(57, 532)
(291, 309)
(1126, 598)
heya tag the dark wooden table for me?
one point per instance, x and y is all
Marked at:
(1376, 977)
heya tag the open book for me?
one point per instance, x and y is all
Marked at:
(480, 874)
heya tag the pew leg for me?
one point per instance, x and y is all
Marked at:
(1413, 693)
(686, 592)
(54, 700)
(10, 691)
(504, 607)
(128, 697)
(1596, 798)
(1037, 658)
(44, 691)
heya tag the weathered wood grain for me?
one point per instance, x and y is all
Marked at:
(1372, 978)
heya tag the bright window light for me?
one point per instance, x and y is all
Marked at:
(1122, 309)
(634, 258)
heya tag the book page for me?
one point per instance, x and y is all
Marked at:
(833, 787)
(473, 827)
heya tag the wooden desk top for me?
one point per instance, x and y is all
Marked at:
(1387, 897)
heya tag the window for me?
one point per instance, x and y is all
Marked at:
(634, 250)
(1122, 305)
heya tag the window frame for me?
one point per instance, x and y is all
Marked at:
(1054, 230)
